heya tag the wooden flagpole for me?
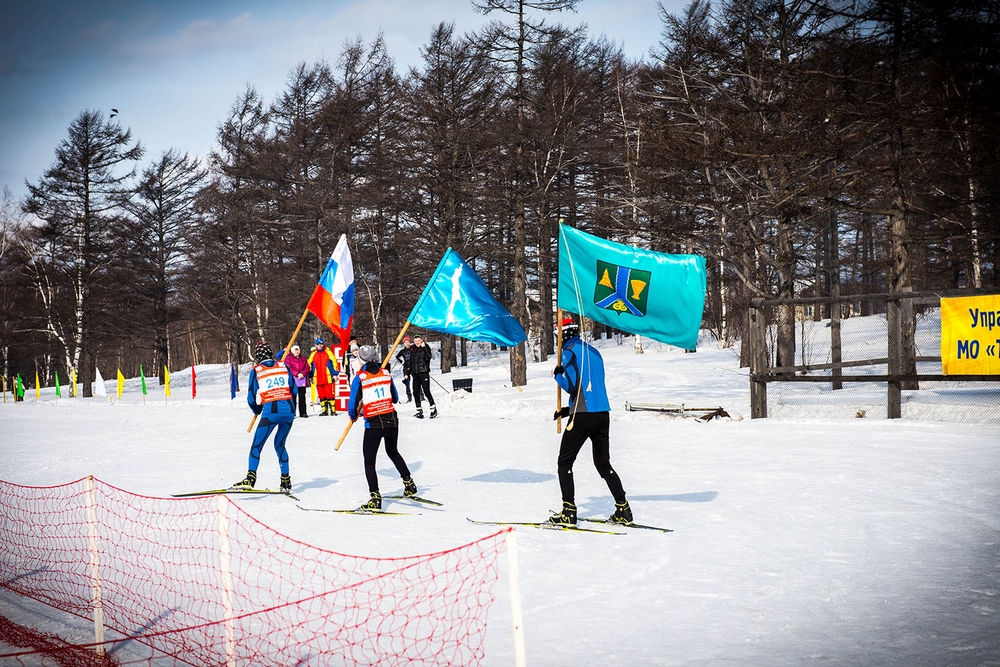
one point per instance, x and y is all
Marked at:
(392, 349)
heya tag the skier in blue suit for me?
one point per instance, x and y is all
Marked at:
(271, 395)
(580, 373)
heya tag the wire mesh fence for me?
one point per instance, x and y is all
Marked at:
(866, 356)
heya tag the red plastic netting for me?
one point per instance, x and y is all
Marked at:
(199, 581)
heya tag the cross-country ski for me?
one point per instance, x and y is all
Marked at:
(356, 510)
(416, 499)
(232, 491)
(544, 525)
(625, 525)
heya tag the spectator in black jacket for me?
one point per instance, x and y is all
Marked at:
(420, 370)
(404, 358)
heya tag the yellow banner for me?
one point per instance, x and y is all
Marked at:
(970, 335)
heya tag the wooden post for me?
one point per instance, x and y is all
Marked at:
(96, 590)
(908, 356)
(833, 267)
(226, 572)
(836, 353)
(758, 362)
(516, 613)
(894, 322)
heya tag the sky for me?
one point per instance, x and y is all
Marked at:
(173, 68)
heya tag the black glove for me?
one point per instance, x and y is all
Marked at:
(563, 412)
(558, 370)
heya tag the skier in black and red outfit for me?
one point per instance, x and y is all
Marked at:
(372, 395)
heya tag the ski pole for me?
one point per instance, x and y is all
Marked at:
(438, 383)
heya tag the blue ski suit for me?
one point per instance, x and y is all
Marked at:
(274, 409)
(582, 377)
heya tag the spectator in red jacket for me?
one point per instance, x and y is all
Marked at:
(324, 371)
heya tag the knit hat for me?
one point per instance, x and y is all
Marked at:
(296, 348)
(406, 339)
(368, 353)
(263, 352)
(570, 328)
(319, 341)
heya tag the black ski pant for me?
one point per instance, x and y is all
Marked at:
(302, 401)
(595, 426)
(422, 387)
(373, 437)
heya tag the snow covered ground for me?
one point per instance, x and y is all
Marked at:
(797, 541)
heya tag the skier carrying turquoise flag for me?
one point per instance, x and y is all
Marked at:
(654, 294)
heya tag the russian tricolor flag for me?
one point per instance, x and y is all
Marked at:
(333, 299)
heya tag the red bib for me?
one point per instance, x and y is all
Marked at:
(272, 384)
(376, 393)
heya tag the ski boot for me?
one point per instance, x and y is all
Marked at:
(434, 411)
(326, 409)
(420, 413)
(286, 484)
(247, 482)
(622, 515)
(333, 408)
(374, 504)
(409, 487)
(565, 518)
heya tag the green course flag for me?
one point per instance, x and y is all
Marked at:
(19, 387)
(58, 390)
(143, 376)
(640, 291)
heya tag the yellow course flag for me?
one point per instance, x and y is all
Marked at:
(970, 335)
(73, 385)
(121, 384)
(166, 381)
(38, 392)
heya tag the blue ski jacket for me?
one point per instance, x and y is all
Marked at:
(583, 363)
(276, 408)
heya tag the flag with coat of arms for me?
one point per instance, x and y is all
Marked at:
(654, 294)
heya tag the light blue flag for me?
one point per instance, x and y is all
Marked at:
(457, 301)
(640, 291)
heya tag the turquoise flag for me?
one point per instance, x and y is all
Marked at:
(457, 301)
(640, 291)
